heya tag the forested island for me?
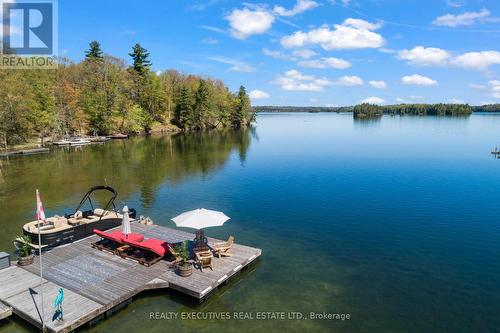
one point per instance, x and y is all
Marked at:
(102, 95)
(371, 110)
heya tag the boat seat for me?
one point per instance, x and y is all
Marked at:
(100, 211)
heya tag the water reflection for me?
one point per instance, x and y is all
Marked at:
(137, 165)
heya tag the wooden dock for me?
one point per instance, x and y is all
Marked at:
(95, 282)
(25, 152)
(5, 311)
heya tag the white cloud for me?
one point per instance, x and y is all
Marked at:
(313, 100)
(344, 3)
(378, 84)
(373, 100)
(214, 29)
(330, 62)
(455, 3)
(423, 56)
(236, 65)
(300, 6)
(477, 60)
(293, 80)
(419, 80)
(431, 56)
(305, 54)
(386, 50)
(467, 18)
(277, 54)
(351, 34)
(245, 22)
(495, 88)
(349, 81)
(209, 40)
(477, 86)
(258, 94)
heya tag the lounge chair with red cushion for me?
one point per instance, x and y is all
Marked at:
(114, 241)
(146, 252)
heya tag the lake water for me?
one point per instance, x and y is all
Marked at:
(393, 221)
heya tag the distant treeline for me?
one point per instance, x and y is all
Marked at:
(371, 110)
(303, 108)
(487, 108)
(101, 95)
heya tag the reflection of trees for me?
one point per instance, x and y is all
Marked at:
(138, 164)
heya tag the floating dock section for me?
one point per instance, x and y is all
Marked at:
(97, 282)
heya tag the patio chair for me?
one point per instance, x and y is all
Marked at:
(224, 248)
(200, 242)
(204, 259)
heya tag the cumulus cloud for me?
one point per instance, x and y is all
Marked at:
(425, 56)
(258, 94)
(293, 80)
(467, 18)
(351, 34)
(431, 56)
(300, 6)
(304, 54)
(378, 84)
(349, 81)
(236, 65)
(330, 62)
(477, 60)
(246, 22)
(419, 80)
(373, 100)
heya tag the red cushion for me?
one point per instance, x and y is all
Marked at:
(118, 236)
(157, 246)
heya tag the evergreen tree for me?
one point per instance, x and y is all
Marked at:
(202, 105)
(94, 52)
(184, 109)
(241, 115)
(140, 57)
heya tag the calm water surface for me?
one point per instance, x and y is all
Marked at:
(394, 221)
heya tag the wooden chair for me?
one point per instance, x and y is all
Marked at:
(200, 242)
(204, 259)
(224, 248)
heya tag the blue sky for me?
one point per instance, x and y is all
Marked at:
(305, 52)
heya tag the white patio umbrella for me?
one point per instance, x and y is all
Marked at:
(200, 218)
(126, 222)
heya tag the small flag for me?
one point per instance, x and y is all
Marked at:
(40, 214)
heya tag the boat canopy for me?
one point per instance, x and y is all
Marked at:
(88, 195)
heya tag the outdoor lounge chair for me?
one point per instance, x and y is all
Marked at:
(146, 252)
(204, 259)
(113, 241)
(224, 248)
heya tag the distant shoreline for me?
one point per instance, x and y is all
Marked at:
(492, 108)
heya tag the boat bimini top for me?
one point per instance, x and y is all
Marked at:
(88, 196)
